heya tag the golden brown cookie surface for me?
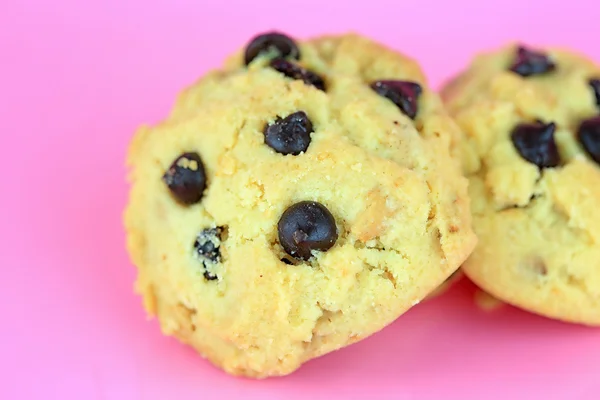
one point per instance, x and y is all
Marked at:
(531, 152)
(291, 207)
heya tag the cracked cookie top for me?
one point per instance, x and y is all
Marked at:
(531, 150)
(296, 200)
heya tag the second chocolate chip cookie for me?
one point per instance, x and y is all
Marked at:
(531, 150)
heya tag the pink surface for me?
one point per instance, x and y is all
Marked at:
(77, 78)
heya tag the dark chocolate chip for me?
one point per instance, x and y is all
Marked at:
(305, 227)
(530, 62)
(589, 136)
(294, 71)
(595, 84)
(290, 135)
(286, 261)
(404, 94)
(283, 45)
(209, 276)
(186, 178)
(207, 248)
(535, 143)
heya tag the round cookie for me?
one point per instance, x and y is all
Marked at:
(288, 207)
(531, 120)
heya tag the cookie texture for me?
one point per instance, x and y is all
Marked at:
(532, 132)
(316, 212)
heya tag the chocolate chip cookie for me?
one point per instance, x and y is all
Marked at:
(295, 201)
(531, 120)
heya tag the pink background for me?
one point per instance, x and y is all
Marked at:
(77, 78)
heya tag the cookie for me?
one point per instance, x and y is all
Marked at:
(531, 151)
(295, 201)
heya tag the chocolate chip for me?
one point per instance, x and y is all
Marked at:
(209, 276)
(305, 227)
(186, 178)
(530, 62)
(404, 94)
(296, 72)
(281, 44)
(207, 249)
(535, 143)
(589, 136)
(290, 135)
(595, 84)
